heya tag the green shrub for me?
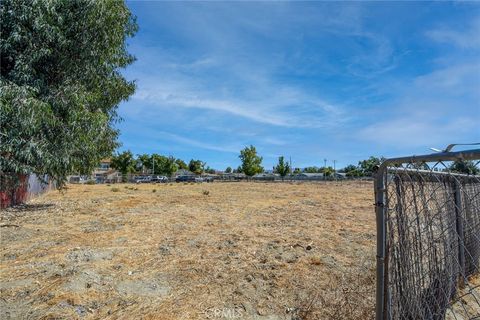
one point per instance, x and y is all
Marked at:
(90, 181)
(115, 189)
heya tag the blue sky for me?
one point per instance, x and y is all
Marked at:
(308, 80)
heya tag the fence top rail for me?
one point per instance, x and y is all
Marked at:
(411, 171)
(439, 156)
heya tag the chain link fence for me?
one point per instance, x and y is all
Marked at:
(428, 237)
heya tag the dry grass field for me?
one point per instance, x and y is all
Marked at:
(191, 251)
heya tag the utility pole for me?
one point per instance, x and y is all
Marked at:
(291, 164)
(334, 170)
(153, 161)
(325, 169)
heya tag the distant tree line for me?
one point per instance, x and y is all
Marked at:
(125, 162)
(251, 164)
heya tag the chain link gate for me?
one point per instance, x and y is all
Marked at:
(428, 237)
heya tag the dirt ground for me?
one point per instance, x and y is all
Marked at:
(191, 251)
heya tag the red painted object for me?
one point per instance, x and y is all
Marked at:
(16, 195)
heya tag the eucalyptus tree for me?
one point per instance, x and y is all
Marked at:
(61, 84)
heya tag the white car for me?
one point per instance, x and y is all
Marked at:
(159, 179)
(143, 180)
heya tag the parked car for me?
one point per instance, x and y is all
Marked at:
(203, 179)
(82, 179)
(185, 179)
(143, 180)
(159, 179)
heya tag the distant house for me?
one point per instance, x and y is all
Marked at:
(104, 165)
(104, 172)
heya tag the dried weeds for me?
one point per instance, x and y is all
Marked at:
(252, 250)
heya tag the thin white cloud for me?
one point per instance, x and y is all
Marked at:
(199, 144)
(192, 66)
(282, 106)
(418, 131)
(461, 77)
(469, 38)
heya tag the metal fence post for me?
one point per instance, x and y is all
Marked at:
(459, 229)
(380, 218)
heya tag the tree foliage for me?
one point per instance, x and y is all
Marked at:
(61, 84)
(352, 171)
(327, 171)
(369, 166)
(210, 170)
(349, 168)
(151, 164)
(283, 167)
(157, 164)
(228, 170)
(251, 162)
(465, 166)
(312, 170)
(181, 164)
(124, 162)
(196, 166)
(165, 165)
(144, 162)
